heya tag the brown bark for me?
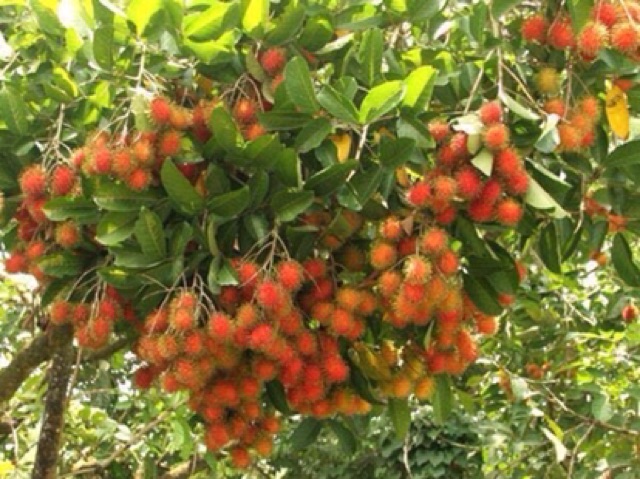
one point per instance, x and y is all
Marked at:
(24, 363)
(59, 374)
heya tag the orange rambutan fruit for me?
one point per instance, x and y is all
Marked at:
(391, 229)
(424, 388)
(569, 137)
(122, 163)
(60, 311)
(240, 457)
(180, 118)
(341, 321)
(509, 212)
(35, 250)
(389, 283)
(336, 369)
(444, 188)
(433, 241)
(466, 346)
(138, 179)
(417, 269)
(556, 106)
(143, 152)
(448, 263)
(383, 255)
(487, 325)
(67, 234)
(156, 321)
(244, 111)
(169, 143)
(182, 319)
(496, 136)
(591, 39)
(348, 298)
(625, 37)
(290, 274)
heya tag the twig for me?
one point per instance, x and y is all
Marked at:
(574, 452)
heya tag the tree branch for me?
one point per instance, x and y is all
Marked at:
(38, 351)
(186, 469)
(55, 405)
(108, 351)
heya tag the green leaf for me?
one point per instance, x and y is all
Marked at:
(230, 204)
(370, 55)
(140, 13)
(442, 399)
(297, 79)
(287, 26)
(225, 129)
(346, 438)
(484, 161)
(180, 191)
(338, 104)
(625, 155)
(255, 14)
(482, 295)
(317, 32)
(500, 7)
(120, 277)
(623, 261)
(537, 197)
(103, 47)
(14, 111)
(117, 197)
(78, 209)
(114, 227)
(601, 407)
(549, 248)
(305, 434)
(221, 50)
(211, 23)
(381, 100)
(396, 152)
(420, 83)
(328, 180)
(150, 235)
(313, 134)
(277, 396)
(400, 415)
(287, 168)
(287, 205)
(580, 11)
(61, 264)
(518, 109)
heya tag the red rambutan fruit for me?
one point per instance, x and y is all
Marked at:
(143, 153)
(433, 241)
(439, 130)
(625, 37)
(388, 283)
(182, 319)
(273, 60)
(506, 162)
(518, 183)
(244, 111)
(468, 182)
(180, 118)
(534, 29)
(63, 179)
(555, 105)
(487, 325)
(480, 211)
(341, 322)
(605, 13)
(143, 377)
(290, 274)
(569, 137)
(240, 457)
(314, 268)
(348, 298)
(35, 250)
(270, 295)
(160, 110)
(417, 269)
(446, 216)
(560, 34)
(419, 194)
(407, 245)
(490, 113)
(33, 181)
(261, 336)
(253, 131)
(458, 145)
(336, 370)
(444, 189)
(60, 311)
(448, 263)
(591, 39)
(122, 163)
(101, 161)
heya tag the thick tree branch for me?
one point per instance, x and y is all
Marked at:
(37, 352)
(55, 404)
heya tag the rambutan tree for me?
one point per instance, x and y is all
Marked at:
(252, 211)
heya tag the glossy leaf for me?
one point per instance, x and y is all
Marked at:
(306, 433)
(180, 190)
(287, 205)
(381, 100)
(298, 81)
(400, 415)
(150, 235)
(230, 204)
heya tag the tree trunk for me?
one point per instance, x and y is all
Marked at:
(55, 404)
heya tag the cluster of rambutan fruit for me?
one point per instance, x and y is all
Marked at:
(613, 24)
(456, 184)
